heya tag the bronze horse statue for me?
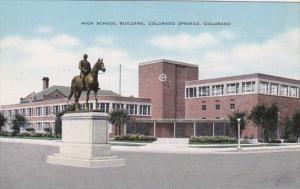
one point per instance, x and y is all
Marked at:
(90, 81)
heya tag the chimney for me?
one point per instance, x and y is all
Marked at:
(45, 82)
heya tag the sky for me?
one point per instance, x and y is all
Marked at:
(48, 38)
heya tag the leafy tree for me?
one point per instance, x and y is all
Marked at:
(265, 118)
(17, 122)
(234, 123)
(2, 120)
(296, 123)
(118, 117)
(289, 130)
(58, 121)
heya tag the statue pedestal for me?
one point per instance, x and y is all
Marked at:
(85, 142)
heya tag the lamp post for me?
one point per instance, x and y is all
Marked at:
(239, 133)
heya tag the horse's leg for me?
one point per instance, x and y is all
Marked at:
(76, 100)
(95, 95)
(87, 98)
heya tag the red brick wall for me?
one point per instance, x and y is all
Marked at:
(151, 87)
(193, 107)
(167, 97)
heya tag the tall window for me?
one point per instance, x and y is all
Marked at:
(232, 88)
(293, 92)
(274, 89)
(38, 111)
(23, 111)
(248, 87)
(103, 107)
(191, 92)
(217, 90)
(263, 87)
(232, 106)
(218, 107)
(47, 110)
(116, 106)
(204, 107)
(131, 109)
(204, 91)
(283, 90)
(30, 111)
(56, 109)
(144, 110)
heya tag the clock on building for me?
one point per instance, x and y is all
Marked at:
(162, 77)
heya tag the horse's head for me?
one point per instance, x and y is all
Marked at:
(100, 65)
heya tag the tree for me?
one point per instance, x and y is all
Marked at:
(296, 123)
(118, 118)
(2, 120)
(17, 122)
(58, 121)
(289, 134)
(266, 118)
(234, 123)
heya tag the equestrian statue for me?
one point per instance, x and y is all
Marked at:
(86, 81)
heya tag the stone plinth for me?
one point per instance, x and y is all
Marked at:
(85, 142)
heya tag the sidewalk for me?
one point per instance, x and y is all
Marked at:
(177, 148)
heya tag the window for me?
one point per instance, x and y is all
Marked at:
(30, 111)
(16, 111)
(39, 127)
(65, 107)
(131, 109)
(117, 106)
(23, 111)
(9, 113)
(204, 91)
(191, 92)
(217, 90)
(274, 89)
(56, 109)
(283, 90)
(144, 110)
(218, 107)
(38, 111)
(232, 88)
(203, 107)
(217, 117)
(248, 86)
(47, 110)
(103, 107)
(203, 118)
(293, 91)
(232, 106)
(263, 87)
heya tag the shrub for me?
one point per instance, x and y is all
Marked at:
(290, 140)
(30, 129)
(135, 137)
(211, 140)
(274, 141)
(4, 133)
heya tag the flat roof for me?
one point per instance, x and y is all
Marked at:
(245, 76)
(169, 62)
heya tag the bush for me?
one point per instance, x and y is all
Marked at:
(274, 141)
(30, 129)
(211, 140)
(135, 137)
(290, 140)
(4, 133)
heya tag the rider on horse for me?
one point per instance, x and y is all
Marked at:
(85, 68)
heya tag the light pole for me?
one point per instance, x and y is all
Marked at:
(239, 133)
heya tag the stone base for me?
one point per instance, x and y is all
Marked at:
(93, 162)
(85, 142)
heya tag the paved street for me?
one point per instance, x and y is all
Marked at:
(23, 166)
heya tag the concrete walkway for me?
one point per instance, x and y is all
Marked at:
(178, 147)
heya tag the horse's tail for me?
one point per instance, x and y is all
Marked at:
(72, 89)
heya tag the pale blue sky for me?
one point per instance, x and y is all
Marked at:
(34, 33)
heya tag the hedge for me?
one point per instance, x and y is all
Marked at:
(211, 140)
(27, 134)
(134, 137)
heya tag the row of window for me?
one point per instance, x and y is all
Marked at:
(133, 109)
(218, 90)
(243, 87)
(218, 107)
(278, 89)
